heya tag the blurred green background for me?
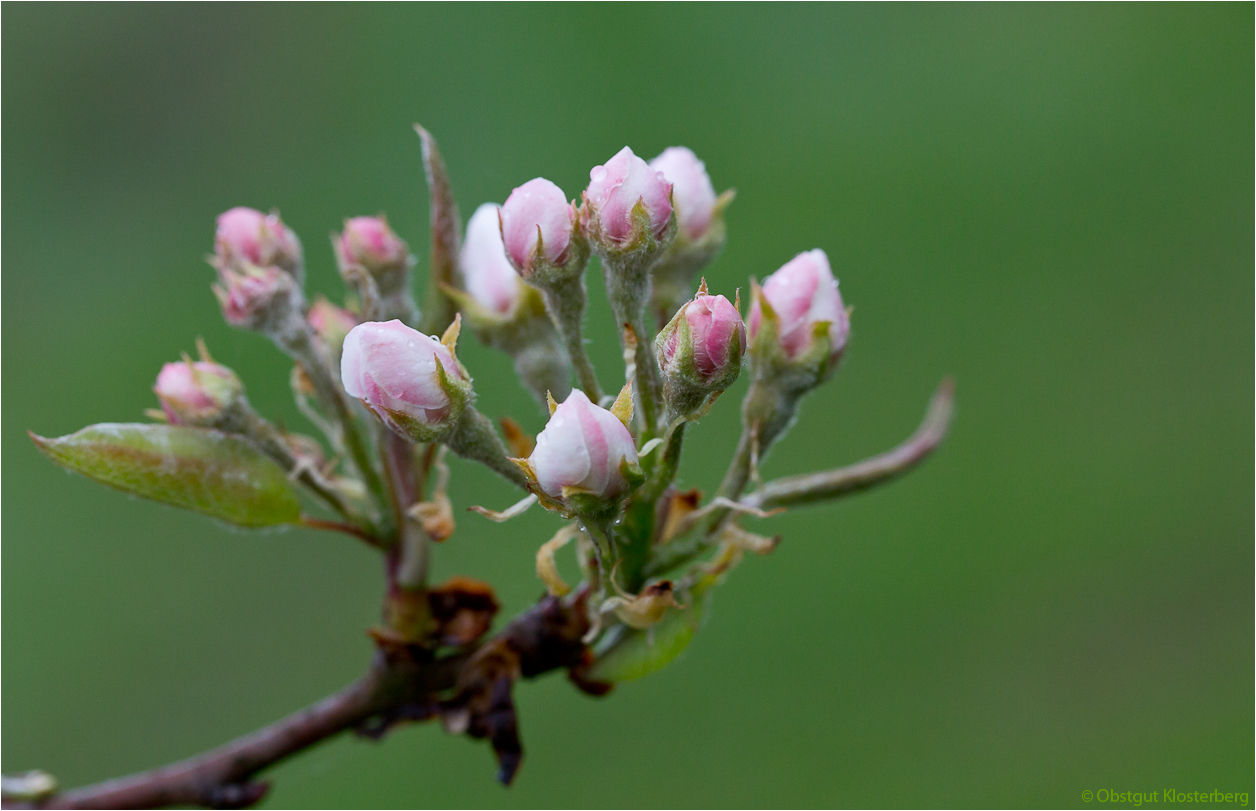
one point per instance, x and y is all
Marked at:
(1053, 203)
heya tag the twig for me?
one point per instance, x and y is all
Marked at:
(811, 487)
(829, 484)
(222, 778)
(340, 526)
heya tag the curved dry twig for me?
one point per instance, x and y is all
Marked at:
(807, 488)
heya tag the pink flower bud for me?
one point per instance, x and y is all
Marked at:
(582, 446)
(330, 323)
(713, 320)
(616, 186)
(803, 293)
(195, 393)
(692, 192)
(393, 370)
(489, 277)
(537, 206)
(248, 235)
(254, 297)
(369, 242)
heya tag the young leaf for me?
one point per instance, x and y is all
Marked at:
(220, 475)
(635, 655)
(438, 309)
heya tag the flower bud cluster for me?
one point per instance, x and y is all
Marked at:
(246, 236)
(518, 278)
(260, 272)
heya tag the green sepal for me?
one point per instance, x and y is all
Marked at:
(632, 473)
(545, 275)
(218, 474)
(636, 654)
(763, 345)
(490, 324)
(418, 430)
(641, 245)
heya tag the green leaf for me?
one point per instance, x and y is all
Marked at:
(220, 475)
(633, 656)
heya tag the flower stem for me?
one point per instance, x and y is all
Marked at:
(299, 345)
(628, 289)
(565, 300)
(474, 438)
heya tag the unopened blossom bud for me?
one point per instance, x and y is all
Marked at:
(258, 298)
(693, 195)
(700, 233)
(507, 313)
(490, 279)
(197, 392)
(615, 190)
(627, 214)
(583, 447)
(331, 323)
(409, 380)
(699, 352)
(246, 235)
(805, 302)
(538, 212)
(705, 338)
(368, 242)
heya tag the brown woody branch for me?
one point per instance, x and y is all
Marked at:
(469, 691)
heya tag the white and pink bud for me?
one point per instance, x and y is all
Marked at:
(628, 203)
(585, 449)
(693, 194)
(805, 306)
(370, 244)
(699, 352)
(258, 298)
(247, 236)
(330, 323)
(197, 393)
(411, 381)
(490, 279)
(538, 230)
(700, 232)
(705, 337)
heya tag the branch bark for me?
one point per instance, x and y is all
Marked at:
(403, 683)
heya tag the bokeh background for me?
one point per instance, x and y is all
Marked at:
(1052, 203)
